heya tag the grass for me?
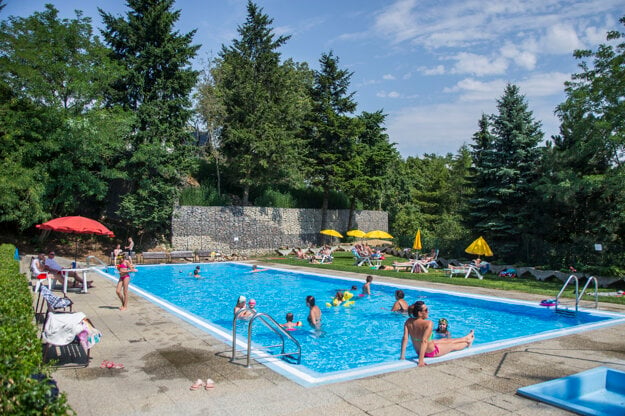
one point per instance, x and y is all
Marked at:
(343, 261)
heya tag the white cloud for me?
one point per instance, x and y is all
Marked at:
(545, 84)
(473, 90)
(524, 59)
(470, 63)
(388, 77)
(437, 70)
(560, 39)
(390, 94)
(435, 24)
(444, 128)
(438, 128)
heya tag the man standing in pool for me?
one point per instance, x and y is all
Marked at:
(419, 328)
(314, 316)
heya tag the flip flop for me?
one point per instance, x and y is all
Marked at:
(210, 384)
(197, 385)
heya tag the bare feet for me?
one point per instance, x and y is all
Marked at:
(122, 308)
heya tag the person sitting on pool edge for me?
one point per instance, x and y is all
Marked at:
(314, 316)
(419, 329)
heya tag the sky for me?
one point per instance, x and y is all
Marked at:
(433, 66)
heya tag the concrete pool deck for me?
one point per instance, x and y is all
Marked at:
(163, 356)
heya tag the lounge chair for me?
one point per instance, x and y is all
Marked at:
(67, 330)
(285, 252)
(415, 266)
(465, 269)
(55, 303)
(360, 260)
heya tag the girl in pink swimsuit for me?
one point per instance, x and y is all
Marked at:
(125, 268)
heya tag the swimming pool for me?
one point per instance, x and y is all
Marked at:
(357, 341)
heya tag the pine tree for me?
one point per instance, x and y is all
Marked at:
(156, 85)
(264, 103)
(505, 173)
(331, 132)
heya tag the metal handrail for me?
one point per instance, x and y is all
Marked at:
(571, 277)
(590, 279)
(273, 325)
(99, 261)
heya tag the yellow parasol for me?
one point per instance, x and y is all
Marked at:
(417, 241)
(479, 247)
(356, 233)
(378, 234)
(332, 233)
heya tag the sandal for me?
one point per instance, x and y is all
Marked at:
(197, 385)
(210, 384)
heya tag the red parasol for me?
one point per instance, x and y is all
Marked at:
(76, 225)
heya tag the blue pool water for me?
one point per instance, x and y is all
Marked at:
(356, 341)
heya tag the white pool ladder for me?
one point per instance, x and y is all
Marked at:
(273, 325)
(578, 294)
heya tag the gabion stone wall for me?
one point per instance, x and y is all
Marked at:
(258, 230)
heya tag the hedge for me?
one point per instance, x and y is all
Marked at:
(20, 348)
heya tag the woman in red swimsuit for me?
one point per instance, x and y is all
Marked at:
(419, 328)
(125, 268)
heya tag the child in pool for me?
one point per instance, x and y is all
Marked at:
(196, 273)
(289, 325)
(443, 328)
(366, 288)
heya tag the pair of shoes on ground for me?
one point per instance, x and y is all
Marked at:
(111, 364)
(209, 385)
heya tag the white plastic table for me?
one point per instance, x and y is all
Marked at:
(66, 278)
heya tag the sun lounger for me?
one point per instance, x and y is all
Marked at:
(285, 252)
(465, 269)
(415, 266)
(360, 260)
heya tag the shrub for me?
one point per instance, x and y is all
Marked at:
(20, 348)
(204, 195)
(276, 199)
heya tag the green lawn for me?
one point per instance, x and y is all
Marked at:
(343, 261)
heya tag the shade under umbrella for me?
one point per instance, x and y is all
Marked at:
(76, 225)
(356, 233)
(378, 234)
(479, 247)
(332, 233)
(417, 241)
